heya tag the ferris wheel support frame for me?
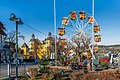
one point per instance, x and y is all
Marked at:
(92, 36)
(83, 26)
(55, 29)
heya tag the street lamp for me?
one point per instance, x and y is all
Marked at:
(18, 21)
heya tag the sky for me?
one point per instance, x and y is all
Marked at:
(39, 14)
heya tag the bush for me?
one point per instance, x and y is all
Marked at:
(43, 65)
(102, 75)
(32, 72)
(76, 75)
(56, 72)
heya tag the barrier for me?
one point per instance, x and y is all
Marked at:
(10, 71)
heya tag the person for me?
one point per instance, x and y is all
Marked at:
(81, 64)
(85, 65)
(85, 62)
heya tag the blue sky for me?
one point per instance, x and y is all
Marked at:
(39, 14)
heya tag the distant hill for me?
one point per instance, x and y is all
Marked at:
(118, 45)
(112, 48)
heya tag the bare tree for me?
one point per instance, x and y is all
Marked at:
(2, 32)
(60, 49)
(79, 45)
(11, 39)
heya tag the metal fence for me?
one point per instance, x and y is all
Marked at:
(3, 70)
(9, 70)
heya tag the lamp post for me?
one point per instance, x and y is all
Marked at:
(18, 21)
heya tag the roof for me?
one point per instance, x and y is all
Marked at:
(31, 40)
(2, 32)
(49, 38)
(25, 45)
(2, 26)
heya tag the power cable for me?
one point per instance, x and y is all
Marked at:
(35, 29)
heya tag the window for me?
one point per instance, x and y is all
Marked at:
(46, 42)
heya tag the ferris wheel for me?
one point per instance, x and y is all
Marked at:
(78, 24)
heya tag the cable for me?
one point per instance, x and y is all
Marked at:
(35, 29)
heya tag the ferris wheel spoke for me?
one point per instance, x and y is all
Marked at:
(73, 25)
(88, 13)
(80, 34)
(69, 36)
(95, 21)
(83, 34)
(88, 29)
(71, 29)
(69, 33)
(86, 36)
(81, 23)
(68, 15)
(78, 23)
(85, 25)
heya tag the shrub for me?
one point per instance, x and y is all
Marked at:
(76, 75)
(32, 72)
